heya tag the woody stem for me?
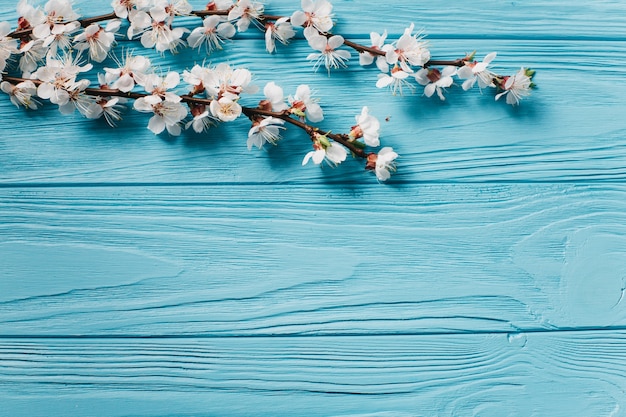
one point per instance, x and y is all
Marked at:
(286, 116)
(250, 112)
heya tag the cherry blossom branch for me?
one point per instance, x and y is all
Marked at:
(310, 130)
(251, 112)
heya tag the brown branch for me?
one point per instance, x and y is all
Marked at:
(19, 34)
(250, 112)
(286, 116)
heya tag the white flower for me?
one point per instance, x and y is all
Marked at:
(140, 21)
(516, 86)
(282, 30)
(109, 107)
(332, 153)
(21, 94)
(29, 15)
(60, 38)
(409, 51)
(435, 80)
(219, 5)
(77, 99)
(303, 105)
(196, 77)
(173, 8)
(123, 7)
(133, 70)
(167, 114)
(33, 53)
(382, 164)
(367, 58)
(328, 54)
(58, 15)
(316, 14)
(58, 78)
(202, 119)
(265, 131)
(226, 109)
(367, 127)
(158, 86)
(160, 35)
(245, 12)
(274, 95)
(385, 163)
(8, 45)
(397, 81)
(477, 71)
(98, 40)
(211, 34)
(223, 80)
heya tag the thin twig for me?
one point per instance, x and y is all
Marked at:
(250, 112)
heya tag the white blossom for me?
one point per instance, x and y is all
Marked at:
(8, 45)
(245, 12)
(160, 35)
(202, 119)
(378, 43)
(33, 53)
(159, 86)
(324, 150)
(435, 80)
(477, 71)
(275, 97)
(281, 30)
(516, 87)
(21, 94)
(60, 40)
(384, 163)
(167, 114)
(303, 105)
(196, 77)
(109, 107)
(77, 99)
(98, 40)
(222, 80)
(315, 14)
(213, 32)
(329, 54)
(396, 81)
(219, 5)
(367, 127)
(58, 77)
(265, 131)
(139, 21)
(29, 16)
(409, 50)
(172, 8)
(226, 109)
(58, 14)
(132, 70)
(123, 7)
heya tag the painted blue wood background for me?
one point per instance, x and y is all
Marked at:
(144, 275)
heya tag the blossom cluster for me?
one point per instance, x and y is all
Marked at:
(53, 48)
(405, 59)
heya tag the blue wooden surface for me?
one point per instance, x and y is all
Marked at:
(144, 275)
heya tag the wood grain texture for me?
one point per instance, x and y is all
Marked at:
(322, 260)
(568, 131)
(146, 275)
(560, 375)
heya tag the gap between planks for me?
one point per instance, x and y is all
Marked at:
(511, 333)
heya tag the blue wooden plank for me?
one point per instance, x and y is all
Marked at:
(262, 260)
(488, 279)
(564, 132)
(556, 374)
